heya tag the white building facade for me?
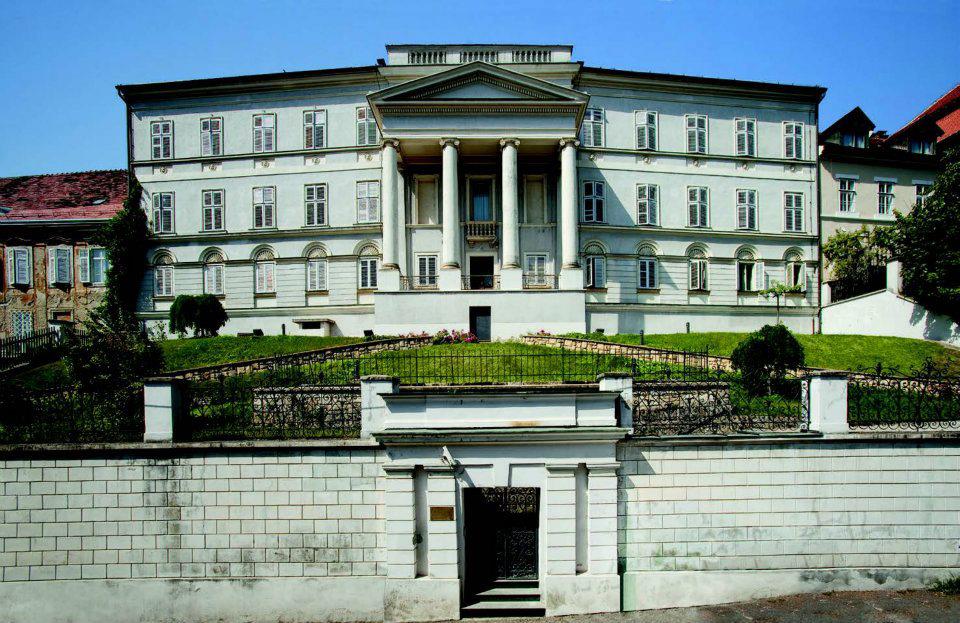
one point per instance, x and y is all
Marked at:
(502, 189)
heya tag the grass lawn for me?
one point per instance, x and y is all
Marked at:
(838, 352)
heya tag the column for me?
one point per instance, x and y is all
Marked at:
(571, 276)
(449, 278)
(511, 273)
(390, 272)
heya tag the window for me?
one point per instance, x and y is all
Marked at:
(534, 200)
(427, 201)
(793, 140)
(264, 133)
(596, 266)
(849, 139)
(265, 271)
(60, 265)
(646, 268)
(746, 209)
(646, 129)
(848, 194)
(746, 137)
(211, 136)
(161, 139)
(264, 207)
(921, 146)
(746, 271)
(315, 204)
(163, 276)
(368, 202)
(794, 271)
(212, 210)
(366, 126)
(163, 213)
(316, 270)
(368, 266)
(648, 204)
(923, 194)
(696, 134)
(426, 271)
(592, 129)
(314, 129)
(593, 208)
(535, 269)
(213, 268)
(793, 211)
(19, 270)
(698, 270)
(22, 322)
(884, 197)
(93, 266)
(481, 199)
(698, 206)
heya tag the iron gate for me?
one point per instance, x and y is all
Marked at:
(502, 526)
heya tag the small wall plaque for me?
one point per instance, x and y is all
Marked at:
(441, 513)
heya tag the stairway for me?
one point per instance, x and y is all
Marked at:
(505, 598)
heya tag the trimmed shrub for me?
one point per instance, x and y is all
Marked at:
(764, 357)
(183, 314)
(211, 316)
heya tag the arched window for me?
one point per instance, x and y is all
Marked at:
(163, 275)
(368, 266)
(596, 265)
(213, 270)
(699, 274)
(746, 271)
(647, 268)
(316, 270)
(794, 270)
(265, 270)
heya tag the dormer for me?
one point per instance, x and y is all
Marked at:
(851, 130)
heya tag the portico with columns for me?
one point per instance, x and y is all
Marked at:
(479, 194)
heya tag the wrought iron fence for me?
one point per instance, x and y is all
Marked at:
(71, 414)
(927, 397)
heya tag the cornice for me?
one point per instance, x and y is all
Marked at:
(255, 155)
(696, 232)
(684, 154)
(253, 312)
(674, 308)
(479, 107)
(307, 232)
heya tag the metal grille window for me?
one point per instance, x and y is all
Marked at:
(793, 211)
(848, 194)
(265, 270)
(315, 204)
(161, 139)
(213, 270)
(884, 197)
(646, 129)
(211, 136)
(698, 270)
(60, 265)
(368, 202)
(698, 206)
(696, 134)
(19, 270)
(163, 276)
(22, 323)
(793, 140)
(316, 271)
(212, 210)
(314, 129)
(593, 202)
(647, 268)
(923, 194)
(592, 129)
(264, 133)
(264, 207)
(366, 126)
(163, 213)
(648, 204)
(426, 271)
(746, 209)
(746, 137)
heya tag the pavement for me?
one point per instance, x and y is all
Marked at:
(841, 607)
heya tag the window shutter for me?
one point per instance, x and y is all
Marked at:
(751, 209)
(159, 287)
(51, 266)
(703, 207)
(598, 272)
(691, 134)
(741, 137)
(694, 213)
(751, 128)
(205, 137)
(312, 275)
(12, 276)
(653, 200)
(640, 120)
(651, 130)
(643, 204)
(361, 134)
(598, 128)
(85, 265)
(308, 130)
(694, 275)
(742, 209)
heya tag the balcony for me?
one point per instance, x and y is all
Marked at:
(480, 282)
(418, 283)
(539, 281)
(480, 232)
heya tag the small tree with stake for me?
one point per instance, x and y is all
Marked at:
(779, 291)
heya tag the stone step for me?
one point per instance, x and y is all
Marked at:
(489, 608)
(505, 593)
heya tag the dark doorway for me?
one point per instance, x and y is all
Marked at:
(500, 533)
(480, 323)
(481, 272)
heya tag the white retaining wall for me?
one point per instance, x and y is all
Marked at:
(887, 313)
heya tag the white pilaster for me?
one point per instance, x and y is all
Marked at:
(400, 522)
(827, 401)
(160, 400)
(442, 553)
(571, 275)
(389, 278)
(561, 520)
(603, 518)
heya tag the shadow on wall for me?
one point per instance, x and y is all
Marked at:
(935, 326)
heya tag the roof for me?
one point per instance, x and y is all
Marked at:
(940, 112)
(877, 155)
(84, 195)
(856, 119)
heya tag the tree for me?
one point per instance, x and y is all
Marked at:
(927, 242)
(183, 314)
(780, 290)
(854, 257)
(764, 357)
(211, 316)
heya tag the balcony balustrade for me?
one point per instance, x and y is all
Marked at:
(477, 232)
(539, 281)
(418, 283)
(481, 282)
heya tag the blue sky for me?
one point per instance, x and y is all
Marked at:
(61, 60)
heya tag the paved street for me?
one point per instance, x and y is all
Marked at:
(845, 607)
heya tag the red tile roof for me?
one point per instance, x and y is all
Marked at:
(943, 111)
(62, 196)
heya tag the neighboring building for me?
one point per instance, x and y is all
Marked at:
(518, 189)
(935, 129)
(51, 271)
(864, 180)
